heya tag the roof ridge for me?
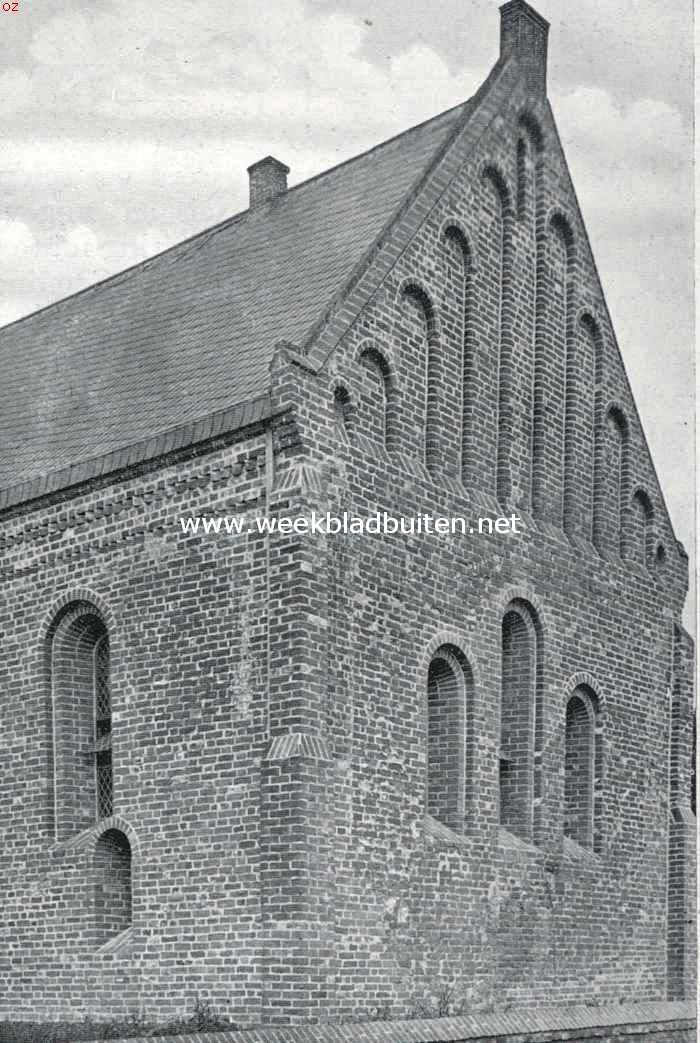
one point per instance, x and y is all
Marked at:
(211, 230)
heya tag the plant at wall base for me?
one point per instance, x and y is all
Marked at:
(382, 1012)
(205, 1019)
(202, 1019)
(441, 1002)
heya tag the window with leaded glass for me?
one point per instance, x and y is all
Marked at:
(103, 728)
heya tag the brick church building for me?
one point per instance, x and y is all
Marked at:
(331, 778)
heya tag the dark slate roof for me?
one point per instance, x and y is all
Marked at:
(192, 330)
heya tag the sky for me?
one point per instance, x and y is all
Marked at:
(127, 127)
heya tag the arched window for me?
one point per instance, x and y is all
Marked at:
(610, 480)
(659, 558)
(529, 150)
(113, 899)
(423, 344)
(583, 403)
(103, 727)
(553, 438)
(638, 535)
(381, 397)
(82, 719)
(501, 209)
(449, 692)
(581, 768)
(524, 167)
(462, 383)
(520, 655)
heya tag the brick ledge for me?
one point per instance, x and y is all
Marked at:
(536, 1023)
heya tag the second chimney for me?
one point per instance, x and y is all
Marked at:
(268, 178)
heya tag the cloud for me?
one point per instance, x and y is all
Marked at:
(171, 65)
(150, 122)
(16, 241)
(39, 266)
(82, 241)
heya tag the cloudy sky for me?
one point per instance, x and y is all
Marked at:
(129, 126)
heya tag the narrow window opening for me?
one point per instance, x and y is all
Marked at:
(419, 316)
(342, 408)
(448, 694)
(82, 720)
(581, 766)
(519, 662)
(380, 395)
(113, 885)
(523, 177)
(103, 729)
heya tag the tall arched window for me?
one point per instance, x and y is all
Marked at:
(552, 439)
(82, 719)
(103, 728)
(529, 149)
(113, 898)
(610, 480)
(459, 285)
(503, 278)
(520, 654)
(584, 404)
(581, 768)
(524, 168)
(420, 322)
(449, 690)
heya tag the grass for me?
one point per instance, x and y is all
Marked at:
(202, 1019)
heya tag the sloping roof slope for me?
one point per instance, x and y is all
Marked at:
(192, 330)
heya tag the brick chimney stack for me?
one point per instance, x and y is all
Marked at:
(268, 179)
(524, 35)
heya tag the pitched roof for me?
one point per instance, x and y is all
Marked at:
(192, 331)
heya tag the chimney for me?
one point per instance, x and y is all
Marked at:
(524, 35)
(267, 178)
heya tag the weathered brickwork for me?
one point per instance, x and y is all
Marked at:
(351, 774)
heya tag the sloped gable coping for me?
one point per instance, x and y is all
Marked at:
(323, 337)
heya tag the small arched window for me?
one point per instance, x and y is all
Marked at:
(659, 558)
(449, 692)
(639, 535)
(113, 896)
(581, 768)
(342, 410)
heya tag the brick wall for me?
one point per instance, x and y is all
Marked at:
(278, 842)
